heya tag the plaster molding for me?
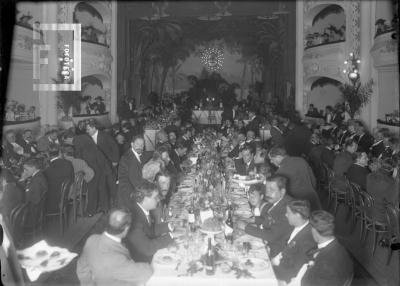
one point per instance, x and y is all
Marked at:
(385, 51)
(96, 59)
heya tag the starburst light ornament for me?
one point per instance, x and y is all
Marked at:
(212, 58)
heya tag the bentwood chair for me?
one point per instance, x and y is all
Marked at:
(79, 196)
(18, 217)
(392, 220)
(339, 192)
(62, 213)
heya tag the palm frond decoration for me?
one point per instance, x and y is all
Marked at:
(356, 95)
(331, 9)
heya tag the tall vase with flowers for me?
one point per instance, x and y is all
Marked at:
(356, 95)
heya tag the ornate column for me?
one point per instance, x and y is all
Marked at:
(299, 94)
(369, 112)
(113, 46)
(48, 99)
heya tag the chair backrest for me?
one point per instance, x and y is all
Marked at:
(349, 280)
(366, 200)
(17, 219)
(329, 171)
(65, 189)
(392, 219)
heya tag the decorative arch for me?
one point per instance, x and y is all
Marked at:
(92, 22)
(322, 91)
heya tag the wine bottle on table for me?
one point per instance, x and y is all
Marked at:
(192, 217)
(229, 226)
(210, 265)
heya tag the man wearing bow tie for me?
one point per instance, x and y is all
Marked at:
(275, 226)
(146, 237)
(289, 261)
(332, 264)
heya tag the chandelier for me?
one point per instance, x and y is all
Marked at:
(212, 58)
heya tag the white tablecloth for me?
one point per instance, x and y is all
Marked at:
(170, 275)
(202, 116)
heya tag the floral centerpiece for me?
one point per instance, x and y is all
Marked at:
(356, 95)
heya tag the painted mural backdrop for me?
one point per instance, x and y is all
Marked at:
(167, 57)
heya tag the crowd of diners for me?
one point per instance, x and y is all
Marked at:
(133, 186)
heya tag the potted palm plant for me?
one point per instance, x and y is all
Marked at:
(356, 95)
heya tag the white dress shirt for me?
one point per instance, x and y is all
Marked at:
(94, 136)
(137, 155)
(112, 237)
(147, 213)
(325, 244)
(296, 230)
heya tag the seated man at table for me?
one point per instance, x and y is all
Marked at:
(105, 261)
(259, 206)
(245, 165)
(146, 237)
(275, 226)
(330, 264)
(238, 145)
(292, 257)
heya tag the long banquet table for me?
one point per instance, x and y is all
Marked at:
(192, 245)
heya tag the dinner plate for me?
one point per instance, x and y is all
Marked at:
(254, 243)
(253, 264)
(178, 232)
(166, 259)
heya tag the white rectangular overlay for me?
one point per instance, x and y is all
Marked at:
(37, 60)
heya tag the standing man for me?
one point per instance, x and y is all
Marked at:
(58, 172)
(104, 259)
(109, 148)
(130, 172)
(302, 182)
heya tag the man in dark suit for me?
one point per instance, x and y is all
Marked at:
(11, 194)
(297, 140)
(109, 148)
(229, 113)
(275, 225)
(26, 142)
(186, 138)
(259, 205)
(344, 160)
(106, 261)
(254, 123)
(177, 155)
(87, 150)
(276, 134)
(302, 182)
(9, 150)
(146, 237)
(359, 170)
(331, 263)
(49, 139)
(241, 141)
(364, 139)
(34, 184)
(58, 172)
(245, 165)
(328, 155)
(381, 186)
(378, 147)
(292, 257)
(130, 172)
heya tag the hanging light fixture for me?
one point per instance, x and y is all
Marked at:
(352, 68)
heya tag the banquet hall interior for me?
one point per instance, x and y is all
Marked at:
(193, 142)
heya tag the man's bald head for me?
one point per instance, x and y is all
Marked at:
(119, 221)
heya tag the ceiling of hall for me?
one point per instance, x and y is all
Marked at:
(138, 9)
